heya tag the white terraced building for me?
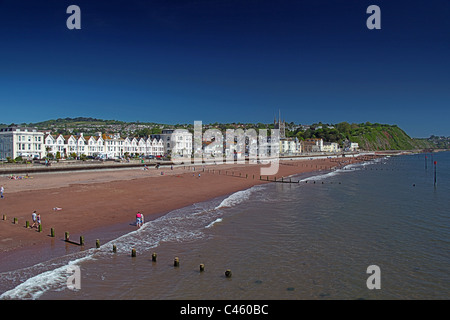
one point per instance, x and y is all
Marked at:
(110, 146)
(70, 144)
(116, 147)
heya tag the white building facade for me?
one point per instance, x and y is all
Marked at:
(331, 147)
(114, 146)
(95, 145)
(21, 142)
(354, 146)
(176, 142)
(290, 147)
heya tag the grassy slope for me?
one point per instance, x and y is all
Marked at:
(388, 138)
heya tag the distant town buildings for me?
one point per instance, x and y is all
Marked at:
(16, 141)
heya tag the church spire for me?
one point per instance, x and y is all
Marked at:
(280, 124)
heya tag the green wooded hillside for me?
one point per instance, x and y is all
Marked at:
(386, 138)
(369, 136)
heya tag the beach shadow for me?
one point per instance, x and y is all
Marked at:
(71, 242)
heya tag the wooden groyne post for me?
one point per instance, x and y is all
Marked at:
(67, 239)
(435, 163)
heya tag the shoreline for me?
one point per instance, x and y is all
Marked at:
(99, 202)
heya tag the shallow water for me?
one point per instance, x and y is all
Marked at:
(281, 241)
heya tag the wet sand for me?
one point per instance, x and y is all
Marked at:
(90, 200)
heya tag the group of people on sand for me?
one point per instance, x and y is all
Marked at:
(14, 177)
(36, 217)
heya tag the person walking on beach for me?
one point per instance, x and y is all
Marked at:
(34, 218)
(1, 191)
(38, 220)
(138, 219)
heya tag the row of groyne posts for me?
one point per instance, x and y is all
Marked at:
(27, 223)
(341, 165)
(176, 261)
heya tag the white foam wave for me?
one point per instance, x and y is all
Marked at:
(214, 222)
(36, 286)
(345, 169)
(360, 165)
(237, 198)
(321, 176)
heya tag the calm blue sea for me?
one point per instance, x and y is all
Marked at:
(281, 241)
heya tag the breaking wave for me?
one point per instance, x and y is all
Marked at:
(182, 225)
(237, 197)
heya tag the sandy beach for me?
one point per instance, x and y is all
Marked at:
(99, 198)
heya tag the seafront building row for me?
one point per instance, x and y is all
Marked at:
(31, 143)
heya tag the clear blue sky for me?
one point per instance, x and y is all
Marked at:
(228, 61)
